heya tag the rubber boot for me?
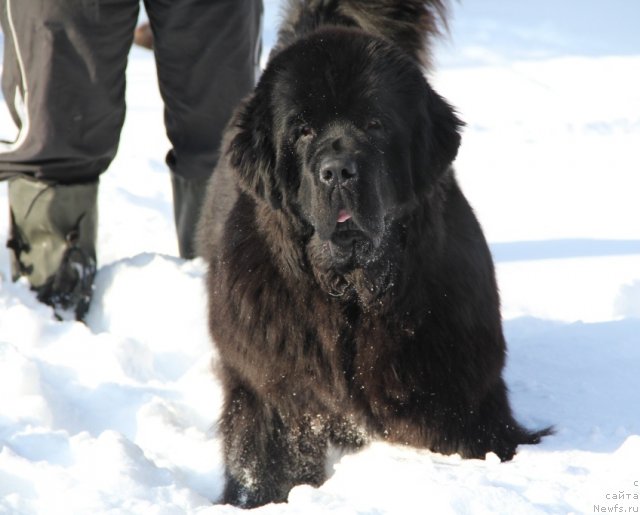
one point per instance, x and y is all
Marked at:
(188, 197)
(53, 239)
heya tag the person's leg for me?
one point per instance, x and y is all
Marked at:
(63, 80)
(207, 55)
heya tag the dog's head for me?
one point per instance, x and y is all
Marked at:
(344, 133)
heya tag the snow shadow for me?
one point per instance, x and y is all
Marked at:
(582, 378)
(562, 249)
(628, 301)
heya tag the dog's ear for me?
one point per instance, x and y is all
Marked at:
(436, 138)
(252, 150)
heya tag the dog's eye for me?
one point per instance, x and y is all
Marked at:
(374, 125)
(305, 131)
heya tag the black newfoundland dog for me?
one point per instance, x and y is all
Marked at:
(351, 291)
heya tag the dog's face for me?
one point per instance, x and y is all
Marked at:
(344, 132)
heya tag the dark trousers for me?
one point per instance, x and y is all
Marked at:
(64, 80)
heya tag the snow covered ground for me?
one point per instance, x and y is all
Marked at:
(118, 416)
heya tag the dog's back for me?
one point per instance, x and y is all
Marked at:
(410, 24)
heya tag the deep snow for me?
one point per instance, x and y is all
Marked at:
(118, 416)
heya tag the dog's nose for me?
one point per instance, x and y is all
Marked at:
(337, 170)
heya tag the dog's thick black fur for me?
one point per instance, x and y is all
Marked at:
(351, 291)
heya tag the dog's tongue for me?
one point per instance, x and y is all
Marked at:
(343, 216)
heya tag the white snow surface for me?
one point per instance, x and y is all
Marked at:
(118, 416)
